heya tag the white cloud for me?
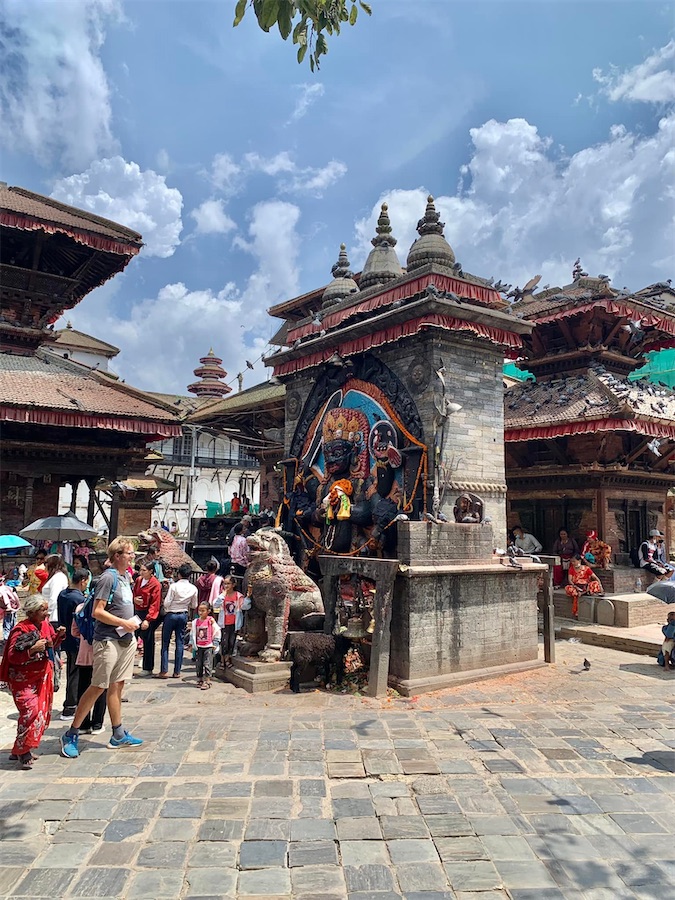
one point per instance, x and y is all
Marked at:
(293, 178)
(272, 165)
(54, 94)
(224, 171)
(139, 199)
(211, 218)
(524, 211)
(163, 161)
(651, 81)
(178, 325)
(309, 94)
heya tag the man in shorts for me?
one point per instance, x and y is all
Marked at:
(114, 649)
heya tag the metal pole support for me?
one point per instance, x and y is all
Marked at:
(549, 609)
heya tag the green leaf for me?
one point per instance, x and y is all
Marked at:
(239, 11)
(285, 18)
(321, 45)
(311, 63)
(301, 52)
(353, 14)
(366, 7)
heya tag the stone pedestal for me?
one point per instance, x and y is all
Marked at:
(254, 676)
(459, 613)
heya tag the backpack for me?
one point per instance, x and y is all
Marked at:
(84, 619)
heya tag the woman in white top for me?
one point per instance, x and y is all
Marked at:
(56, 582)
(181, 597)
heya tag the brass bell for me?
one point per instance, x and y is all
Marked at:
(371, 626)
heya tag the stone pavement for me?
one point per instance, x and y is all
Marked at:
(554, 784)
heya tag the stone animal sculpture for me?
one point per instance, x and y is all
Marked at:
(171, 554)
(326, 652)
(280, 591)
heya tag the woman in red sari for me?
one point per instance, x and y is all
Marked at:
(27, 667)
(583, 580)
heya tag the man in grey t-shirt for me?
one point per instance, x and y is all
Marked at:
(114, 649)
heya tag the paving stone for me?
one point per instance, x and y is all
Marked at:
(218, 854)
(313, 830)
(156, 885)
(61, 856)
(273, 788)
(524, 874)
(121, 829)
(437, 804)
(464, 848)
(211, 882)
(45, 883)
(221, 830)
(137, 809)
(114, 854)
(448, 825)
(316, 853)
(493, 824)
(394, 827)
(350, 807)
(637, 823)
(369, 878)
(268, 830)
(19, 854)
(317, 880)
(361, 853)
(271, 808)
(149, 789)
(101, 882)
(233, 789)
(262, 854)
(389, 789)
(182, 809)
(169, 855)
(9, 875)
(412, 851)
(374, 895)
(359, 829)
(312, 787)
(473, 876)
(421, 877)
(92, 809)
(174, 830)
(266, 883)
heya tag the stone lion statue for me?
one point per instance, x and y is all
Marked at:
(280, 593)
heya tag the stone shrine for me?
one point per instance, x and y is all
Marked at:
(394, 419)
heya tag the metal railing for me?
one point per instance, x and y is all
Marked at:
(186, 459)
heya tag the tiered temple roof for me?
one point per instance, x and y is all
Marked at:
(211, 375)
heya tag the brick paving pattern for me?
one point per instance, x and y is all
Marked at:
(554, 784)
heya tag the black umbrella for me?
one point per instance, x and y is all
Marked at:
(59, 528)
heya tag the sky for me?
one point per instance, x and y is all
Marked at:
(545, 130)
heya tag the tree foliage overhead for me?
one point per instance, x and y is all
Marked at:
(308, 21)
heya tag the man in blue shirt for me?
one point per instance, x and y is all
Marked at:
(67, 601)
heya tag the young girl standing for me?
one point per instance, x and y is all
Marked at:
(205, 637)
(231, 618)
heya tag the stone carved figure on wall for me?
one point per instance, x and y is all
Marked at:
(445, 407)
(280, 593)
(468, 509)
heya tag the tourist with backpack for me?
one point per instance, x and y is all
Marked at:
(114, 649)
(67, 602)
(93, 721)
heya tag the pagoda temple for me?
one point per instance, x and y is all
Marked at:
(63, 422)
(211, 375)
(587, 447)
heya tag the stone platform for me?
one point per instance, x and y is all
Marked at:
(645, 640)
(255, 676)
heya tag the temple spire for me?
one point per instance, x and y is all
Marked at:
(382, 264)
(431, 247)
(211, 375)
(343, 282)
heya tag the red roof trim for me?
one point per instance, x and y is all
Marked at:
(385, 298)
(512, 343)
(562, 429)
(25, 223)
(612, 306)
(66, 419)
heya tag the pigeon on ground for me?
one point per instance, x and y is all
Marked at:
(587, 665)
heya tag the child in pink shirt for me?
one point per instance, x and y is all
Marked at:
(205, 637)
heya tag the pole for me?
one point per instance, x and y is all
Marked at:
(549, 609)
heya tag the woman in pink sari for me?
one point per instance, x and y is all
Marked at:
(28, 668)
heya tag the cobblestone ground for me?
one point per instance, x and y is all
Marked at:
(558, 783)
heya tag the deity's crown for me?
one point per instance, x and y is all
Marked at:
(346, 424)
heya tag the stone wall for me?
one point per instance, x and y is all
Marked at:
(23, 500)
(456, 608)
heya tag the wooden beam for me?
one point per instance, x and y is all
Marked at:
(567, 334)
(666, 457)
(639, 450)
(610, 336)
(556, 450)
(37, 253)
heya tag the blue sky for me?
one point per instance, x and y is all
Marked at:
(544, 129)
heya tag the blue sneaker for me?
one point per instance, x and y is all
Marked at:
(69, 746)
(127, 741)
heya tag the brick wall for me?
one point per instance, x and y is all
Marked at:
(13, 501)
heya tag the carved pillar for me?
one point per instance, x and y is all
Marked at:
(90, 505)
(74, 483)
